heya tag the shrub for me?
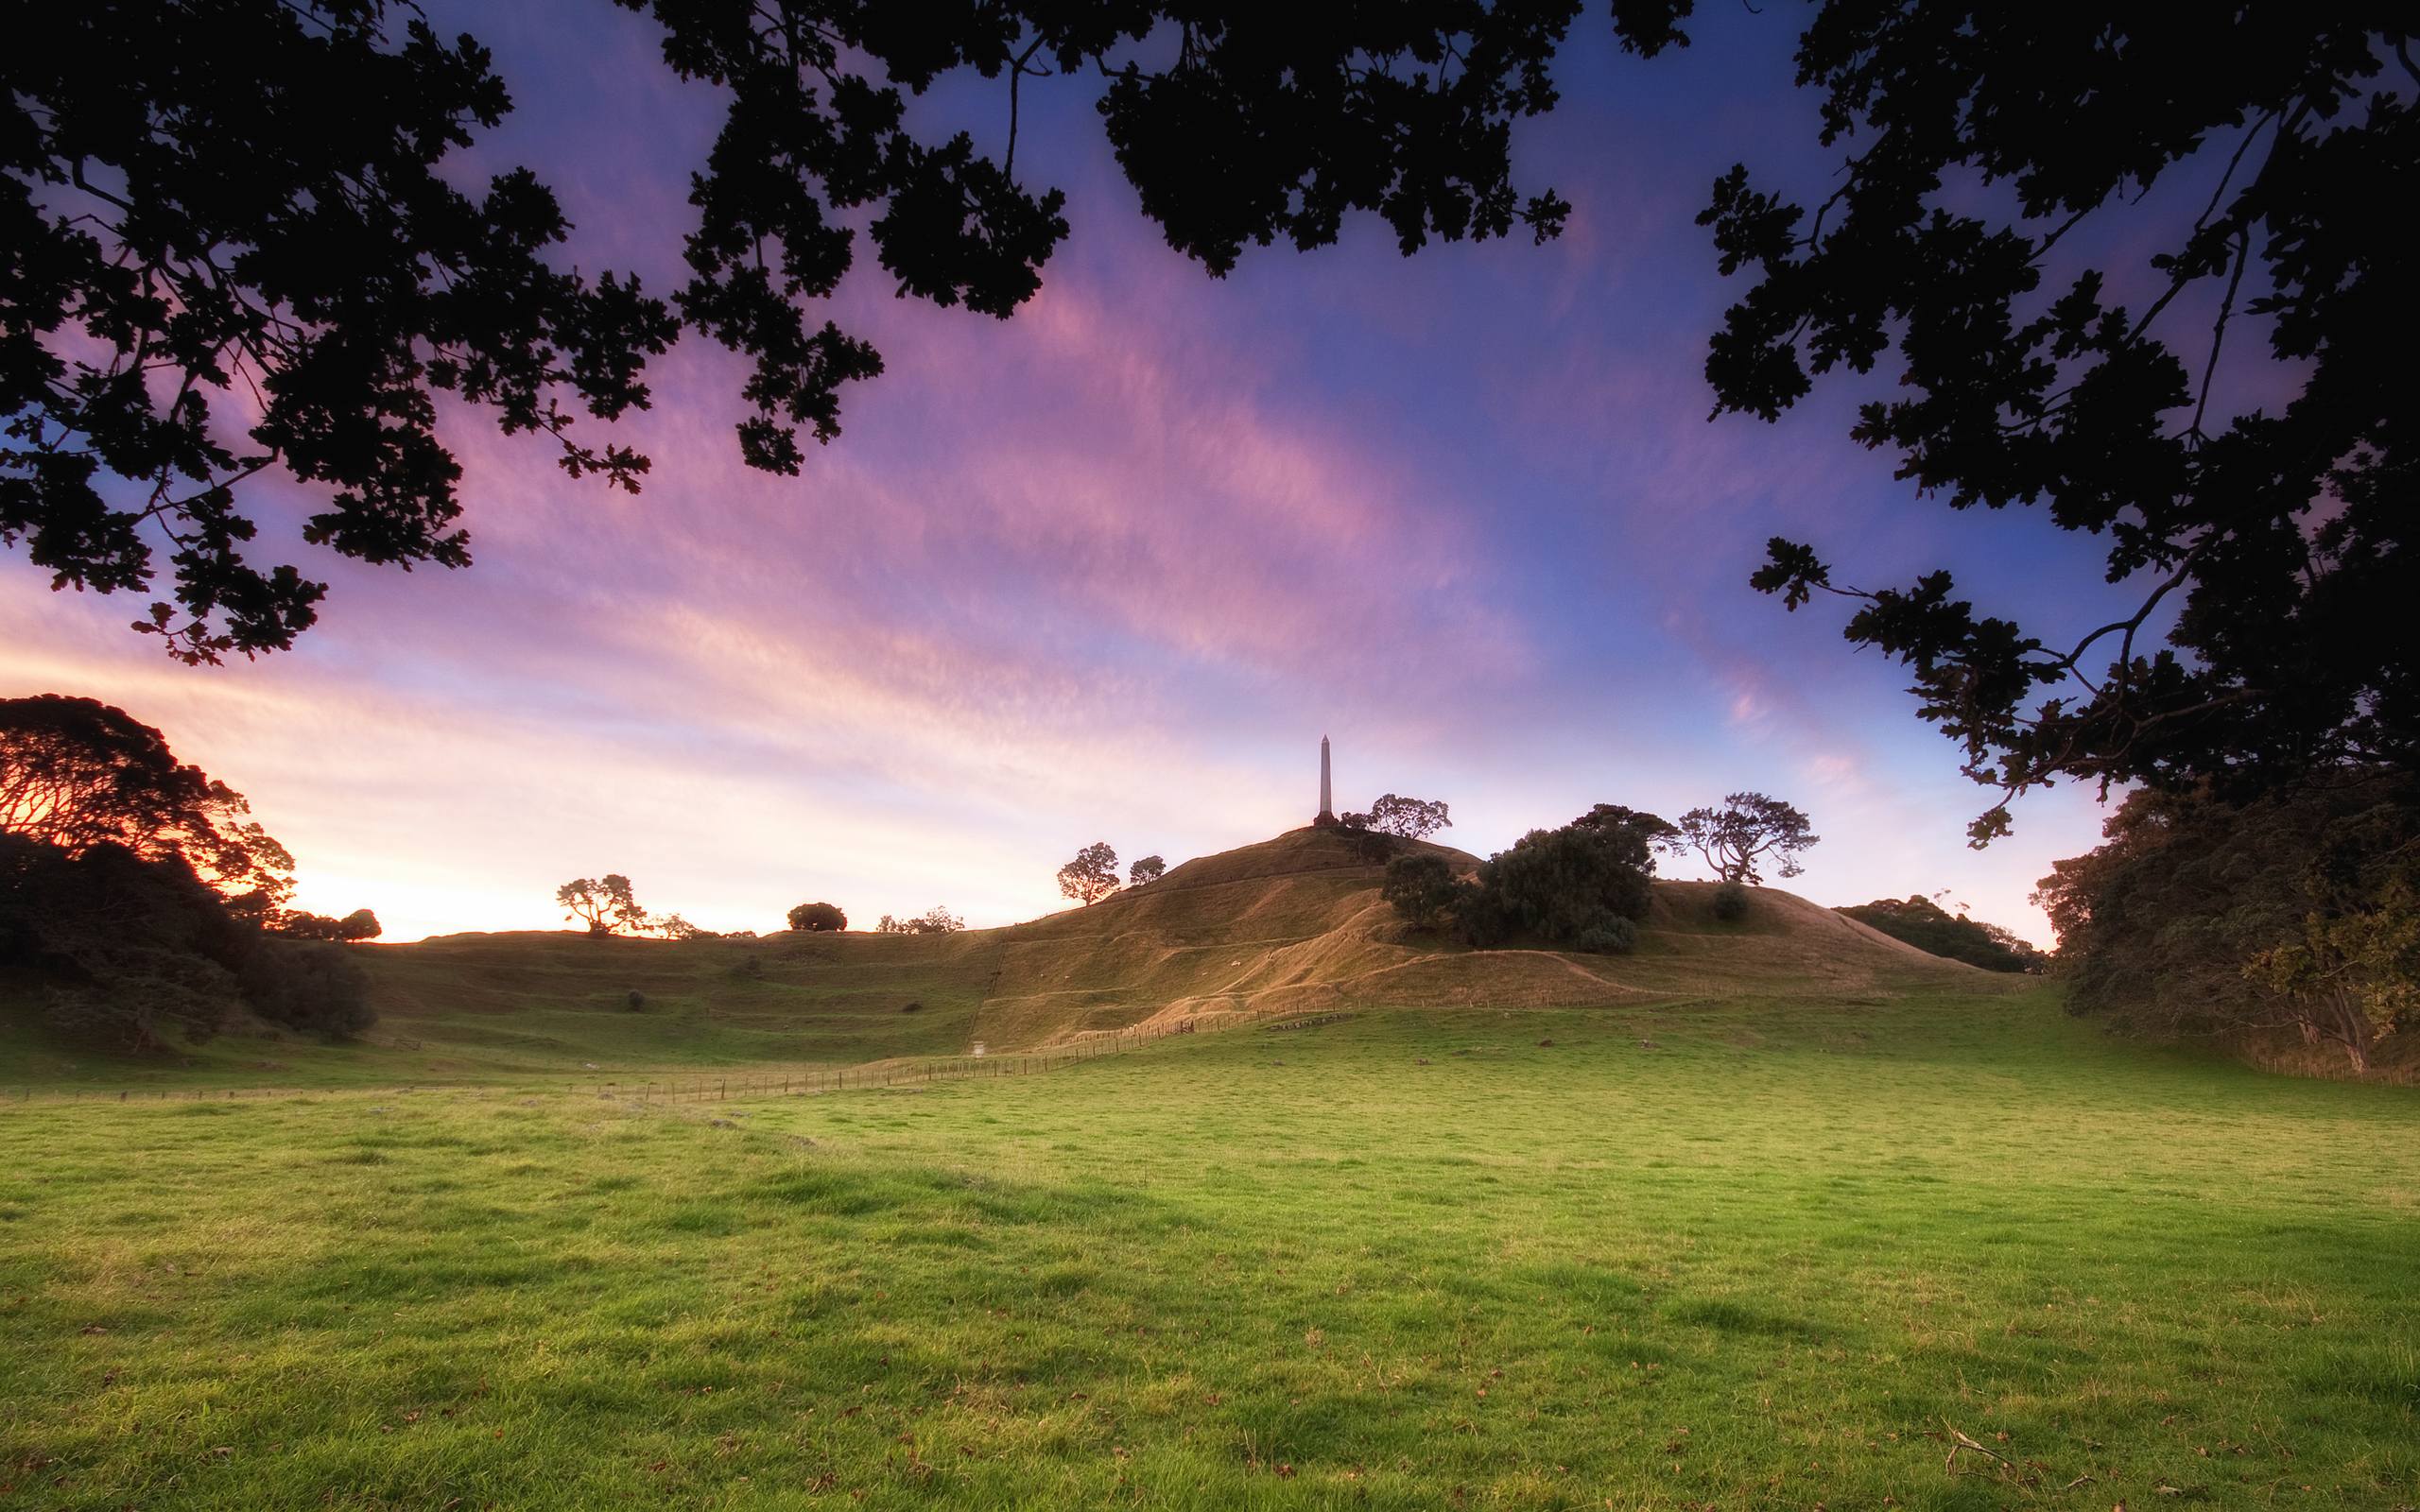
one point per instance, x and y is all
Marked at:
(1613, 934)
(1731, 902)
(817, 919)
(636, 1000)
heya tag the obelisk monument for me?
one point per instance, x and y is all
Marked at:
(1327, 793)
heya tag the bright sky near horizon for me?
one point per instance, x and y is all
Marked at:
(1110, 569)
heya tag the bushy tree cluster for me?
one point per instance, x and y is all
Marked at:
(1927, 926)
(1583, 887)
(817, 919)
(2297, 912)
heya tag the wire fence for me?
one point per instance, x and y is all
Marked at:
(791, 1083)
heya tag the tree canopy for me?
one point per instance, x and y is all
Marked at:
(1092, 876)
(2270, 548)
(1746, 830)
(1406, 819)
(604, 903)
(75, 773)
(140, 895)
(2296, 912)
(1146, 870)
(818, 917)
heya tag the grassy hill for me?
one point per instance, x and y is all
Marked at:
(1291, 925)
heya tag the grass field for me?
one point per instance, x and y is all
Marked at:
(1441, 1259)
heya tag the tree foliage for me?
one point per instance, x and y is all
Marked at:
(359, 925)
(2278, 539)
(1580, 886)
(818, 917)
(1919, 921)
(235, 247)
(126, 949)
(1634, 833)
(1406, 819)
(1421, 887)
(75, 773)
(603, 903)
(1092, 876)
(1147, 869)
(1748, 829)
(2296, 911)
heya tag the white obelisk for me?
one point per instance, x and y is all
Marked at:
(1328, 796)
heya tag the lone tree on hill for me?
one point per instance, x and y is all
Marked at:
(1148, 869)
(1406, 819)
(1092, 876)
(1747, 828)
(603, 902)
(817, 919)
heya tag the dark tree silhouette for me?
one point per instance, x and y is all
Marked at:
(1634, 833)
(206, 198)
(1147, 869)
(1749, 827)
(2272, 550)
(75, 773)
(1092, 876)
(359, 925)
(603, 903)
(818, 917)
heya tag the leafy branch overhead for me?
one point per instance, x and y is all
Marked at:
(2270, 549)
(230, 250)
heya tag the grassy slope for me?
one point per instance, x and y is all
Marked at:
(1409, 1260)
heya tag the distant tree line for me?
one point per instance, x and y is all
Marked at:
(142, 899)
(933, 920)
(1918, 920)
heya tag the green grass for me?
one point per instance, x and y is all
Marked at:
(535, 1007)
(1409, 1260)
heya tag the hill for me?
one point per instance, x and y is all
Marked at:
(1292, 925)
(1927, 926)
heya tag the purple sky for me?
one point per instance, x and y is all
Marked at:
(1109, 570)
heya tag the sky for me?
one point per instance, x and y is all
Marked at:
(1109, 570)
